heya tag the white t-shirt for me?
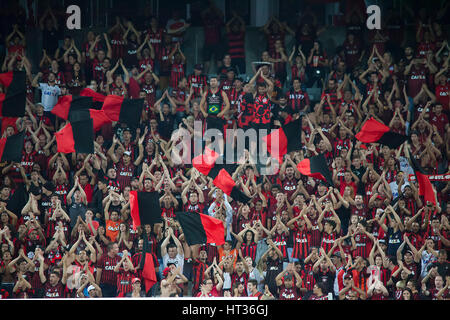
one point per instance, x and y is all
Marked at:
(427, 259)
(178, 261)
(394, 188)
(226, 281)
(405, 167)
(49, 96)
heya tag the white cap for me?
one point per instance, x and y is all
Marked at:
(91, 287)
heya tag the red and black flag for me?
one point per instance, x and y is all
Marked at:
(145, 208)
(12, 102)
(147, 265)
(98, 117)
(285, 139)
(88, 92)
(76, 136)
(200, 228)
(220, 173)
(11, 147)
(425, 186)
(375, 131)
(68, 104)
(316, 167)
(123, 110)
(97, 98)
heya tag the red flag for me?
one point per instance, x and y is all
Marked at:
(128, 111)
(99, 118)
(316, 167)
(6, 78)
(375, 131)
(425, 188)
(200, 228)
(8, 122)
(144, 208)
(62, 107)
(206, 161)
(224, 182)
(88, 92)
(214, 229)
(134, 209)
(112, 106)
(279, 148)
(372, 131)
(11, 147)
(148, 272)
(64, 139)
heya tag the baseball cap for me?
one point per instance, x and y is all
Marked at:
(128, 153)
(135, 280)
(166, 271)
(91, 287)
(380, 197)
(348, 276)
(382, 241)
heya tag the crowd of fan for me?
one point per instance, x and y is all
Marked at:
(371, 236)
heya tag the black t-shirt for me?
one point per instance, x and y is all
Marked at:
(274, 267)
(344, 215)
(326, 278)
(359, 173)
(50, 40)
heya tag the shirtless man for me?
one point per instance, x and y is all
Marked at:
(173, 277)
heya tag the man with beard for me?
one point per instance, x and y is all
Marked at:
(359, 208)
(214, 105)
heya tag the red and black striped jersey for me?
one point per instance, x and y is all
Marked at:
(302, 241)
(328, 241)
(236, 45)
(363, 246)
(249, 250)
(198, 83)
(297, 100)
(176, 74)
(125, 174)
(58, 291)
(124, 282)
(28, 161)
(198, 271)
(107, 264)
(211, 250)
(198, 207)
(291, 293)
(243, 278)
(280, 240)
(308, 276)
